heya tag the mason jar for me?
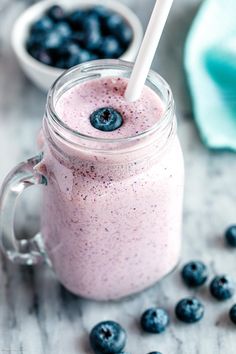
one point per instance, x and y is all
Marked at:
(111, 208)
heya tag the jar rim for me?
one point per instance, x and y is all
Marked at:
(63, 129)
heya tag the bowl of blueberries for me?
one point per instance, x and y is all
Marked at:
(50, 37)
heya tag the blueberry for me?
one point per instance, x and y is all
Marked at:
(108, 337)
(222, 287)
(106, 119)
(34, 43)
(71, 54)
(61, 64)
(92, 40)
(44, 57)
(113, 22)
(77, 37)
(86, 56)
(76, 19)
(68, 48)
(78, 58)
(232, 314)
(34, 47)
(91, 23)
(56, 13)
(125, 34)
(93, 56)
(155, 353)
(101, 11)
(35, 39)
(63, 29)
(194, 273)
(155, 320)
(189, 310)
(33, 51)
(53, 40)
(230, 236)
(43, 25)
(110, 48)
(72, 61)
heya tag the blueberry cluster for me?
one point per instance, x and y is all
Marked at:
(222, 288)
(110, 337)
(63, 39)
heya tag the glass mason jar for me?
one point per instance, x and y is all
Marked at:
(111, 208)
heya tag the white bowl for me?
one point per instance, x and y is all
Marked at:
(44, 75)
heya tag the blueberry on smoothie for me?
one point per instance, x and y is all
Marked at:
(106, 119)
(230, 236)
(155, 320)
(155, 353)
(222, 287)
(189, 310)
(232, 314)
(194, 273)
(108, 337)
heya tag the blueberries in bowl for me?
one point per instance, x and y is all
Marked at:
(62, 39)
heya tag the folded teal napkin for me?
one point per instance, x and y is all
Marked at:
(210, 63)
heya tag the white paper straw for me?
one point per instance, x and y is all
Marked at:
(147, 50)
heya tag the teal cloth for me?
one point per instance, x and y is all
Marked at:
(210, 63)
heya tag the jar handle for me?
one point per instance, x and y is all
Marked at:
(23, 251)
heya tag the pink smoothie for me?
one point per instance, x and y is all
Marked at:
(77, 104)
(112, 225)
